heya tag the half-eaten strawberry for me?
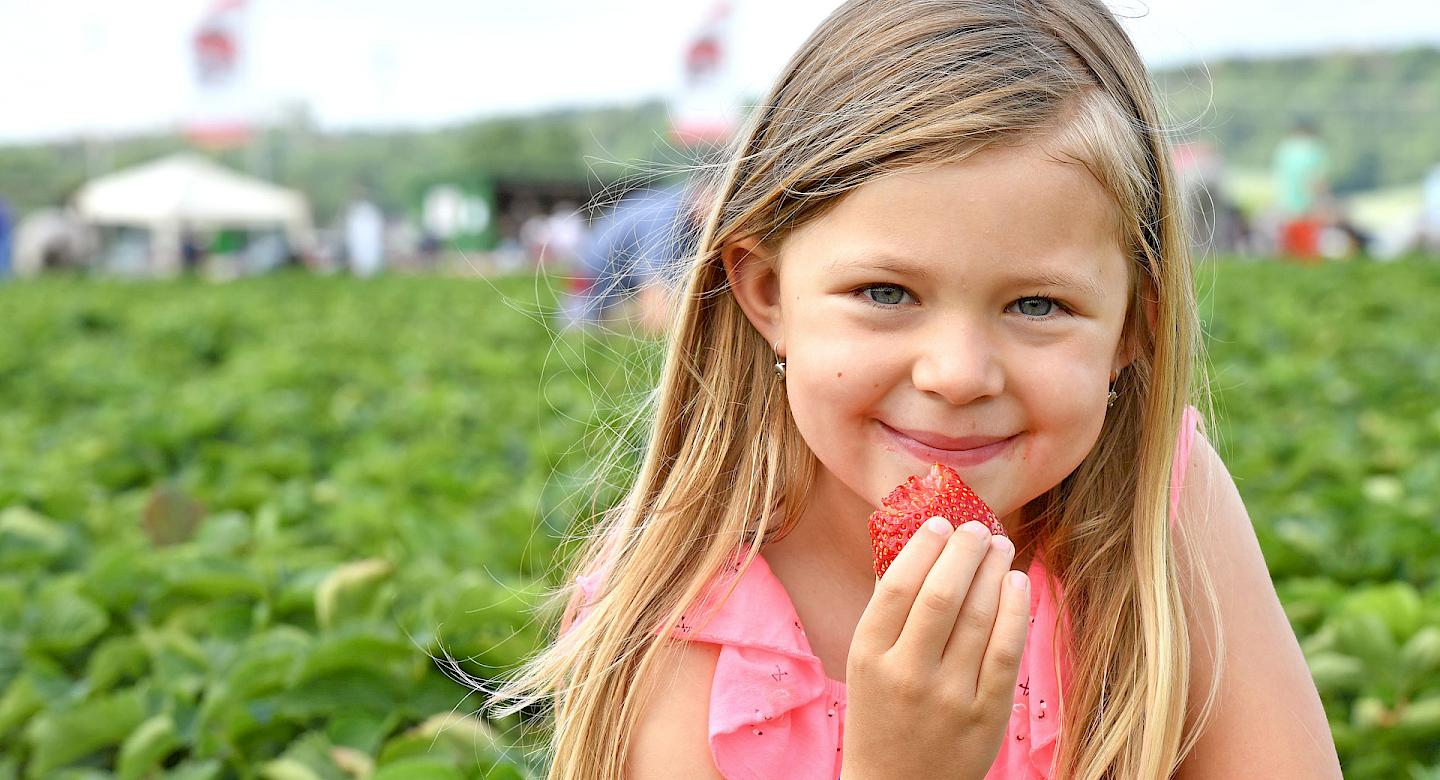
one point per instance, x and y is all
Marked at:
(941, 492)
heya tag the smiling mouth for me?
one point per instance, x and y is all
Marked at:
(953, 452)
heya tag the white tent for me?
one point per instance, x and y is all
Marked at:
(188, 192)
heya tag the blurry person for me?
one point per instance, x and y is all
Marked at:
(564, 236)
(1430, 212)
(429, 249)
(6, 228)
(364, 237)
(1301, 191)
(53, 239)
(192, 251)
(631, 254)
(1216, 224)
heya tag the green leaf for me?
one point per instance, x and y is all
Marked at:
(27, 694)
(288, 769)
(207, 769)
(80, 774)
(310, 756)
(213, 579)
(417, 769)
(29, 539)
(60, 621)
(381, 654)
(1396, 604)
(117, 576)
(345, 591)
(116, 660)
(1420, 719)
(146, 747)
(62, 737)
(345, 690)
(363, 731)
(179, 663)
(1335, 673)
(1365, 636)
(1421, 655)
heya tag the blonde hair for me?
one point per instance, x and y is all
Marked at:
(880, 86)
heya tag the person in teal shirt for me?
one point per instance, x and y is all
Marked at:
(1301, 191)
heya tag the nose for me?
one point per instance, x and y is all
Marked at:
(958, 364)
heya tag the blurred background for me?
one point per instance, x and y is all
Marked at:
(321, 327)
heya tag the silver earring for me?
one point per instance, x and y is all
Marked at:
(779, 363)
(1111, 396)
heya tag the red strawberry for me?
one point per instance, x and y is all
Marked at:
(941, 492)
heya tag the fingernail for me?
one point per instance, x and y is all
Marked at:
(975, 528)
(1001, 544)
(938, 525)
(1019, 580)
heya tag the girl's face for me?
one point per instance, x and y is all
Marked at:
(969, 314)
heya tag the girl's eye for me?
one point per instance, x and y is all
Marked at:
(1036, 306)
(885, 294)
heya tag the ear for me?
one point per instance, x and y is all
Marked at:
(1130, 342)
(754, 279)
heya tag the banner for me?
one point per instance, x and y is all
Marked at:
(707, 110)
(222, 114)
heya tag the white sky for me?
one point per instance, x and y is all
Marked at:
(94, 67)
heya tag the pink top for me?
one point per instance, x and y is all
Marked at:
(774, 713)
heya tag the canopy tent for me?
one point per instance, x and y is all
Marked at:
(187, 192)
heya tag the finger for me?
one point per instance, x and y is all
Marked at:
(966, 647)
(1007, 642)
(884, 616)
(932, 617)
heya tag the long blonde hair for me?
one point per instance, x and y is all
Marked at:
(880, 86)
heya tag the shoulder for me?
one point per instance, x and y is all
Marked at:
(671, 736)
(1267, 718)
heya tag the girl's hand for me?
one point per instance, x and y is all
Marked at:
(932, 667)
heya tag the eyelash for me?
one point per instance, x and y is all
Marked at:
(1060, 308)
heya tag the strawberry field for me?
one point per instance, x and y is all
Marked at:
(238, 522)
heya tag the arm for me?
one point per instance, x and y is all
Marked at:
(671, 736)
(1267, 719)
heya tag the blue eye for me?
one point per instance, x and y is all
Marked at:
(1036, 306)
(885, 294)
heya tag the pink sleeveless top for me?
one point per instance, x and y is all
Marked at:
(773, 712)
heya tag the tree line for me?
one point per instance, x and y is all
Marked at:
(1378, 111)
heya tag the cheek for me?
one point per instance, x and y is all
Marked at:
(828, 393)
(1065, 401)
(832, 389)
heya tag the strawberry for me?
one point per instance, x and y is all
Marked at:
(941, 492)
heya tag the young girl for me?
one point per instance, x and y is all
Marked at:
(948, 235)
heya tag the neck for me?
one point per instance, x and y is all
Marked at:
(831, 535)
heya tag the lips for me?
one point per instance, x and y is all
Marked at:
(957, 453)
(948, 443)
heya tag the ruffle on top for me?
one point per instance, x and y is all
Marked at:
(773, 712)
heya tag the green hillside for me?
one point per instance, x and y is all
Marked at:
(1378, 112)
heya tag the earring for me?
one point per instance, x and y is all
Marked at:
(779, 363)
(1111, 396)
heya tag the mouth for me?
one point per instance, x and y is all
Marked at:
(953, 452)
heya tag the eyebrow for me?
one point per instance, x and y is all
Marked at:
(1047, 277)
(1037, 277)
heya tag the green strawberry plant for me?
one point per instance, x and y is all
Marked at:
(239, 523)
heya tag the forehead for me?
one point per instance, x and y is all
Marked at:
(1003, 210)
